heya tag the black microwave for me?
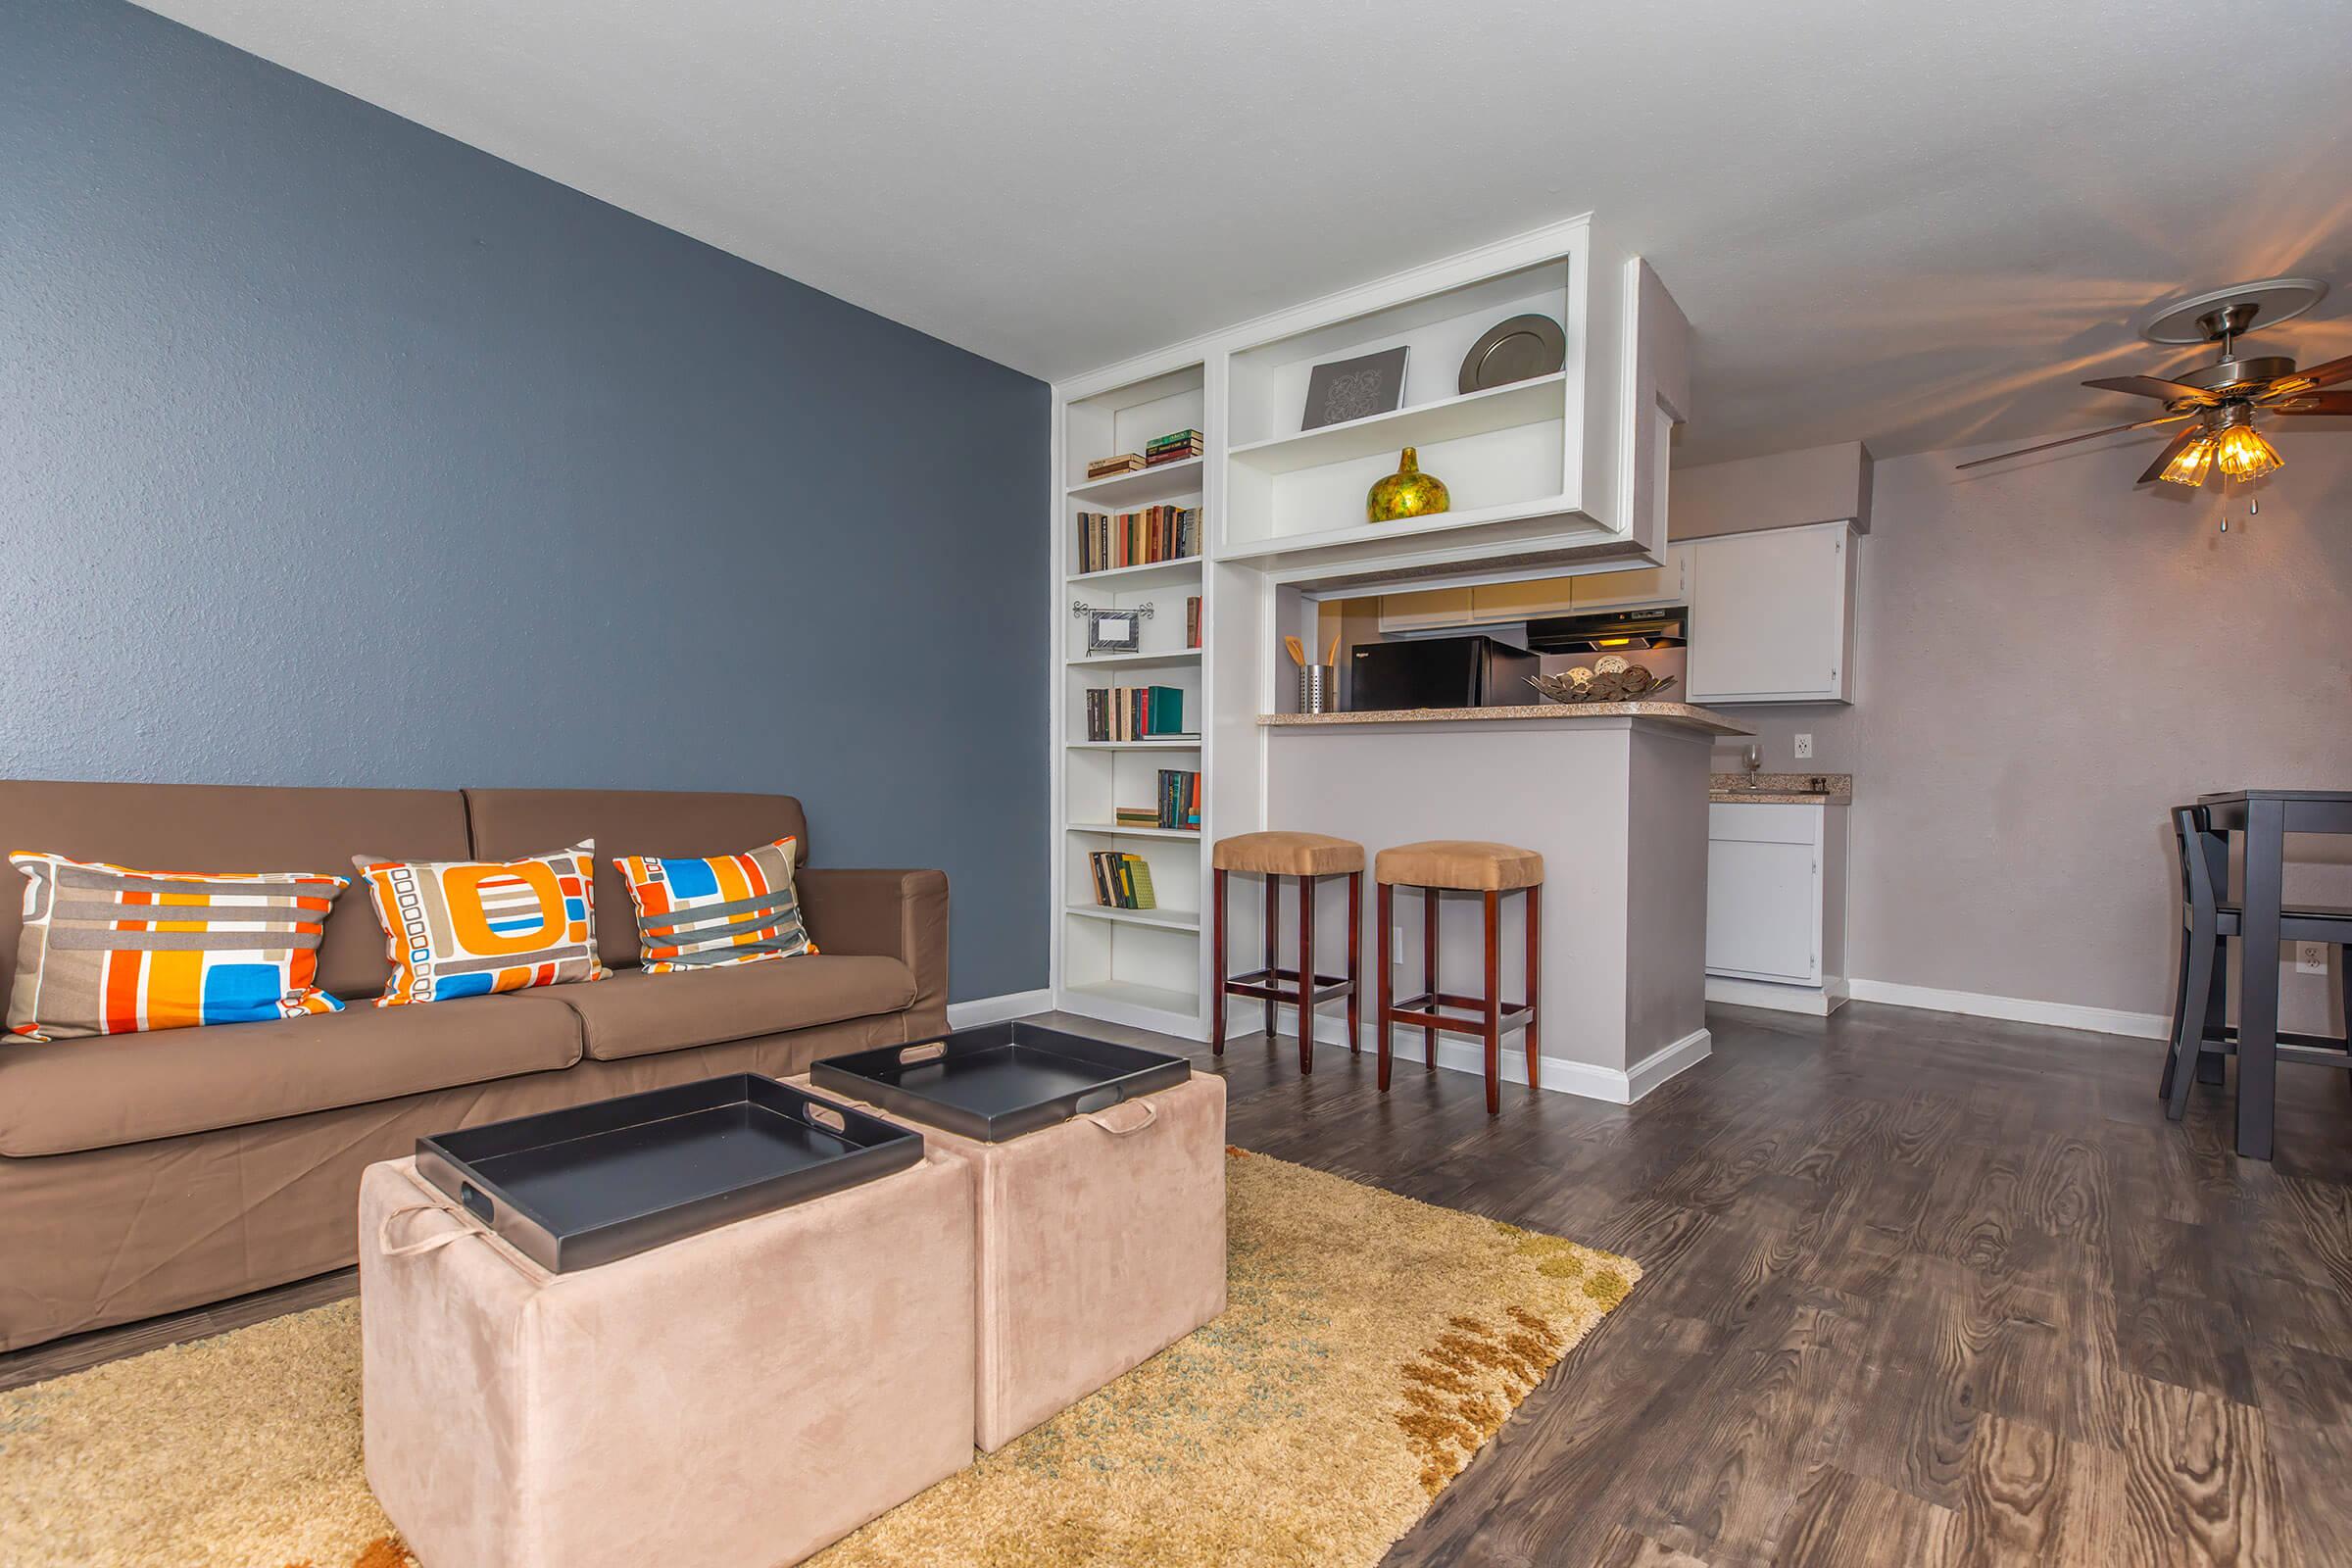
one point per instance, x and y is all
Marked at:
(1439, 672)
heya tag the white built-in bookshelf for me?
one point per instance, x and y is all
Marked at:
(1557, 474)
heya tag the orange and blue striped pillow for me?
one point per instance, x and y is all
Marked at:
(730, 908)
(466, 929)
(108, 950)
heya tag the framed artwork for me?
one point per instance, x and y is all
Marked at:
(1113, 631)
(1354, 389)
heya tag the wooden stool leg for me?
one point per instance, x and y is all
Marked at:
(1306, 976)
(1494, 1019)
(1273, 928)
(1534, 979)
(1380, 963)
(1217, 1029)
(2204, 954)
(1429, 970)
(2171, 1056)
(1355, 954)
(2213, 1068)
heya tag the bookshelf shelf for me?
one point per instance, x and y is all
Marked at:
(1173, 743)
(1141, 487)
(1114, 830)
(1170, 655)
(1166, 919)
(1424, 424)
(1184, 568)
(1134, 995)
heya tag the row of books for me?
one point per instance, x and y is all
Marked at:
(1107, 541)
(1174, 447)
(1134, 712)
(1122, 881)
(1179, 803)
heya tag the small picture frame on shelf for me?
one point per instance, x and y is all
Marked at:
(1354, 389)
(1113, 631)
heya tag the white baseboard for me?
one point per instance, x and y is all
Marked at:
(995, 1010)
(1560, 1075)
(2016, 1009)
(1818, 1001)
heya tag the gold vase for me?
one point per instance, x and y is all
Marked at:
(1406, 493)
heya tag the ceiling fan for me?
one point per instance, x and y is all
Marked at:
(2217, 402)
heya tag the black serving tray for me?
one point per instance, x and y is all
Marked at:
(1002, 1080)
(572, 1189)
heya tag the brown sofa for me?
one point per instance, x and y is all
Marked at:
(145, 1173)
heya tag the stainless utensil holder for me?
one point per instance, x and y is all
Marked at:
(1318, 688)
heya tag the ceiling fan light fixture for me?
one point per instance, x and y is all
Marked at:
(2242, 454)
(2190, 463)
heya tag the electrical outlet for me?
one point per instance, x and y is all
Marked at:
(1804, 746)
(2311, 958)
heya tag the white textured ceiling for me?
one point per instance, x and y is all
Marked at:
(1916, 224)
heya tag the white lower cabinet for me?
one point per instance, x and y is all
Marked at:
(1776, 905)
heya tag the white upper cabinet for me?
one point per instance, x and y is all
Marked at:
(1771, 616)
(1545, 468)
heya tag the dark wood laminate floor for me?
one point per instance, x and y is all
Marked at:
(1918, 1290)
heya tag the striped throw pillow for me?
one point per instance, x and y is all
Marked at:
(466, 929)
(108, 950)
(731, 909)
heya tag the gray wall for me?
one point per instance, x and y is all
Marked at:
(335, 452)
(2049, 657)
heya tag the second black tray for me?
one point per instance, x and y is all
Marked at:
(1000, 1080)
(574, 1187)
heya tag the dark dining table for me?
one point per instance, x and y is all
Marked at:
(2266, 817)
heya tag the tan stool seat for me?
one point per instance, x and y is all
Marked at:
(1291, 854)
(1468, 864)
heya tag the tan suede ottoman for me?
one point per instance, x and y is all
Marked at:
(745, 1396)
(1101, 1242)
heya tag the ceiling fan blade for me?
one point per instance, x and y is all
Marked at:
(2088, 435)
(2314, 403)
(2152, 386)
(2311, 380)
(2172, 449)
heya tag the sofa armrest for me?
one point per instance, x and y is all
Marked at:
(896, 915)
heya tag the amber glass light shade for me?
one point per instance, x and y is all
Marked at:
(2190, 463)
(2244, 455)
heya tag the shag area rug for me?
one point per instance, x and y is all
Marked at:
(1371, 1345)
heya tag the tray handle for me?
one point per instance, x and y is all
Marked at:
(1122, 1120)
(825, 1116)
(930, 1052)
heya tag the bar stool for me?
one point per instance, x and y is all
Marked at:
(1306, 857)
(1462, 865)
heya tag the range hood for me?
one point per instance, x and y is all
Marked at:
(1667, 626)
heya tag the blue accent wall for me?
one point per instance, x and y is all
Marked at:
(335, 452)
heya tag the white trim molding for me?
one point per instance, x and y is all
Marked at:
(1560, 1075)
(995, 1010)
(2016, 1009)
(1819, 1001)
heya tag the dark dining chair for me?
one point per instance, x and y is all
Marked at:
(2201, 1035)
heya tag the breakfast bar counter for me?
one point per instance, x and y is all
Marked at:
(1614, 797)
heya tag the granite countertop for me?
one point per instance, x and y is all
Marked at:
(1785, 789)
(1680, 714)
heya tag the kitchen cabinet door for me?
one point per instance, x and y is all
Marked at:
(1664, 584)
(1428, 609)
(1771, 615)
(1764, 892)
(1523, 601)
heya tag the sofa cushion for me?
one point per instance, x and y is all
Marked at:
(715, 910)
(223, 827)
(71, 1094)
(470, 928)
(637, 1015)
(508, 823)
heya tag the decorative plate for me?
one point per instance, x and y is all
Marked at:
(1517, 350)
